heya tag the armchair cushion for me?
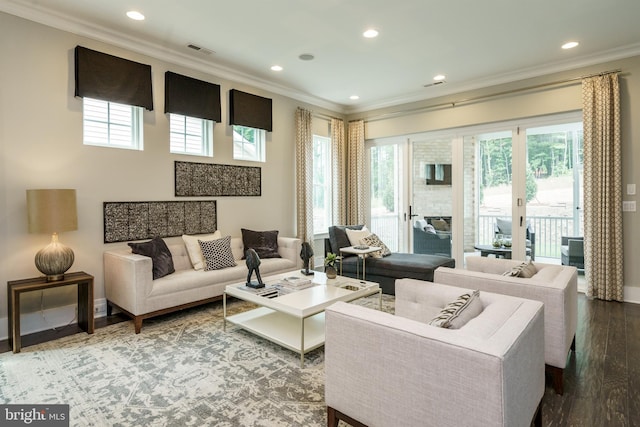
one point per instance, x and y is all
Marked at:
(355, 236)
(526, 270)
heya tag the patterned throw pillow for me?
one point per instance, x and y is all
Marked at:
(457, 313)
(374, 240)
(193, 247)
(217, 253)
(525, 270)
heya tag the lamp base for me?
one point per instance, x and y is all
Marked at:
(54, 259)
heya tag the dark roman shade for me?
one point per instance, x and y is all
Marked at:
(109, 78)
(249, 110)
(191, 97)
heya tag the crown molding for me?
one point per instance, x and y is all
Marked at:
(522, 74)
(42, 15)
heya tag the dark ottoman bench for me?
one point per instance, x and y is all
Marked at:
(384, 270)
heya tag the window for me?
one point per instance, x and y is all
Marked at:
(190, 135)
(322, 209)
(109, 124)
(249, 143)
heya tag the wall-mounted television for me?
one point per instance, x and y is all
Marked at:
(438, 174)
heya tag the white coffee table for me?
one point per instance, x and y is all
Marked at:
(295, 320)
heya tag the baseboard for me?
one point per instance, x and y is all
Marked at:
(632, 294)
(50, 319)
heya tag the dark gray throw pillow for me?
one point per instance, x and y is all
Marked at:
(265, 243)
(338, 237)
(161, 258)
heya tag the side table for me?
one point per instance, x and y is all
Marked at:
(361, 253)
(15, 288)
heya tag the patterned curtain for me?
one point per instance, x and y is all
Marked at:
(304, 176)
(355, 174)
(602, 187)
(339, 183)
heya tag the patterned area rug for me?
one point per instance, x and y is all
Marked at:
(182, 370)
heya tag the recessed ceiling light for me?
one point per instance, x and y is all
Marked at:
(439, 77)
(306, 57)
(276, 68)
(371, 33)
(135, 15)
(354, 97)
(570, 45)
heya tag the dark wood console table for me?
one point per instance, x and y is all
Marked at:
(84, 282)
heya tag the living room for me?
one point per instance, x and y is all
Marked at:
(41, 147)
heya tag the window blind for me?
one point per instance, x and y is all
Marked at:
(191, 97)
(250, 110)
(110, 78)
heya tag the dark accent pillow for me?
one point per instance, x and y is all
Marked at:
(157, 250)
(265, 243)
(338, 237)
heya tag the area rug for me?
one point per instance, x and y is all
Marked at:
(182, 370)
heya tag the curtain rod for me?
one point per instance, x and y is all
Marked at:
(325, 116)
(482, 97)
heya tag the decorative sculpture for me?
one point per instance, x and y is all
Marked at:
(253, 264)
(306, 253)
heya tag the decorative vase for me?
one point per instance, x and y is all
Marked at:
(330, 271)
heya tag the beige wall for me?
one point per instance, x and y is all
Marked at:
(41, 147)
(416, 118)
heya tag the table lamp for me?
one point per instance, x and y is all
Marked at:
(52, 211)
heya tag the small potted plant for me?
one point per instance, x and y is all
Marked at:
(330, 265)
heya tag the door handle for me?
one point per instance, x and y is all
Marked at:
(411, 214)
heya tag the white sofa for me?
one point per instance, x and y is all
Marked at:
(130, 287)
(396, 370)
(554, 285)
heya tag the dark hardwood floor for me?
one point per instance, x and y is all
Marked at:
(602, 378)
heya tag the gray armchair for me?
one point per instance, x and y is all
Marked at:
(503, 226)
(572, 251)
(430, 242)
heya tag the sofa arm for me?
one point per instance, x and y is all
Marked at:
(128, 279)
(430, 372)
(289, 248)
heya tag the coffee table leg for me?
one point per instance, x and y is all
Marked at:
(224, 311)
(302, 343)
(380, 298)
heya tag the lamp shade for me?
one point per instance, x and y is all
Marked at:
(52, 211)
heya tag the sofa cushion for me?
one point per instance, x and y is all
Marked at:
(374, 240)
(458, 312)
(338, 237)
(400, 265)
(193, 247)
(265, 243)
(157, 250)
(355, 236)
(217, 253)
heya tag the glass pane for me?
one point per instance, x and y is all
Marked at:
(554, 186)
(494, 181)
(385, 195)
(432, 198)
(321, 184)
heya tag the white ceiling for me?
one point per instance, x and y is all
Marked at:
(474, 43)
